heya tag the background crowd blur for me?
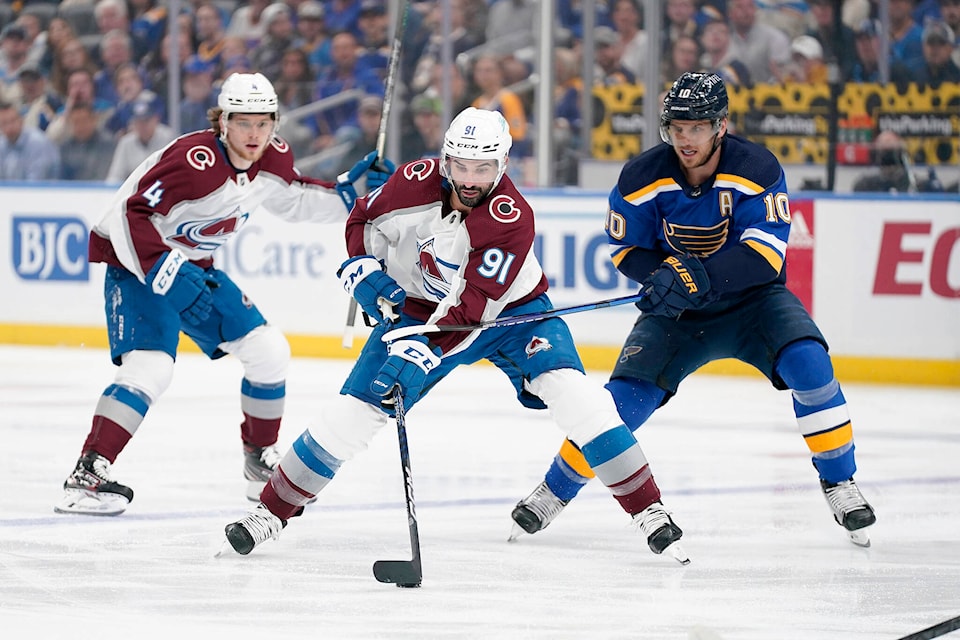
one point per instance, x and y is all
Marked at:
(88, 88)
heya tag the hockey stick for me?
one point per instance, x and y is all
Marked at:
(509, 321)
(391, 80)
(403, 573)
(936, 630)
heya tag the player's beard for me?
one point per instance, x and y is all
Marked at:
(477, 194)
(245, 153)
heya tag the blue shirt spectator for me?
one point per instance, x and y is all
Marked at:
(25, 152)
(344, 74)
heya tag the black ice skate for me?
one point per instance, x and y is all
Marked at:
(850, 509)
(90, 491)
(259, 463)
(661, 531)
(258, 526)
(536, 511)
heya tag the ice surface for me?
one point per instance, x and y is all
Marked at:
(767, 559)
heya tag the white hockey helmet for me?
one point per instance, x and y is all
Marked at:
(477, 134)
(247, 93)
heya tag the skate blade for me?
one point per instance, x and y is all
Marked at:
(225, 546)
(860, 537)
(515, 533)
(677, 553)
(91, 504)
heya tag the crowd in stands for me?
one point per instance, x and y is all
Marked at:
(82, 81)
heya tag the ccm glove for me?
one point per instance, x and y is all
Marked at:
(376, 292)
(378, 172)
(183, 284)
(408, 363)
(680, 283)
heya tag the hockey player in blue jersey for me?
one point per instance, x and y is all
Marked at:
(702, 222)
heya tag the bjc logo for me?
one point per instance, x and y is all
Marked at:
(50, 248)
(893, 253)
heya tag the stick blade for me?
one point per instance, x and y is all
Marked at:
(403, 573)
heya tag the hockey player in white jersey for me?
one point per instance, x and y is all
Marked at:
(450, 242)
(157, 240)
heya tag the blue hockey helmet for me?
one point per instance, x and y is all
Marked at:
(694, 96)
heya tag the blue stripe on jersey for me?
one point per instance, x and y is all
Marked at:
(263, 391)
(315, 457)
(133, 399)
(608, 445)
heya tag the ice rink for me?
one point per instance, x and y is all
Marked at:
(768, 562)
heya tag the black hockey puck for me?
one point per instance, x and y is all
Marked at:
(408, 585)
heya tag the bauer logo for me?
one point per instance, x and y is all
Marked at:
(52, 248)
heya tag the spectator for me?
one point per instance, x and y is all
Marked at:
(247, 22)
(609, 71)
(460, 39)
(894, 174)
(36, 35)
(14, 46)
(71, 56)
(950, 12)
(425, 137)
(312, 35)
(906, 36)
(58, 32)
(146, 136)
(339, 123)
(938, 66)
(627, 22)
(570, 16)
(494, 96)
(211, 33)
(116, 50)
(79, 89)
(374, 25)
(86, 150)
(295, 85)
(718, 57)
(198, 94)
(845, 56)
(683, 57)
(762, 48)
(148, 23)
(806, 65)
(130, 90)
(39, 104)
(368, 120)
(277, 37)
(343, 15)
(680, 21)
(155, 70)
(567, 116)
(114, 15)
(25, 152)
(866, 66)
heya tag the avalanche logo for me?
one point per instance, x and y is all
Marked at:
(279, 144)
(200, 157)
(432, 271)
(205, 235)
(419, 169)
(536, 345)
(504, 209)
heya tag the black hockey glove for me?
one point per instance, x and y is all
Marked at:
(680, 283)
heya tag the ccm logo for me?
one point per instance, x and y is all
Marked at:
(893, 254)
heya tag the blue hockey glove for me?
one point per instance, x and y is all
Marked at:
(378, 171)
(680, 283)
(408, 363)
(376, 292)
(183, 284)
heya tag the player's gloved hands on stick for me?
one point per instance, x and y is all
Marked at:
(680, 283)
(378, 171)
(183, 284)
(376, 292)
(408, 362)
